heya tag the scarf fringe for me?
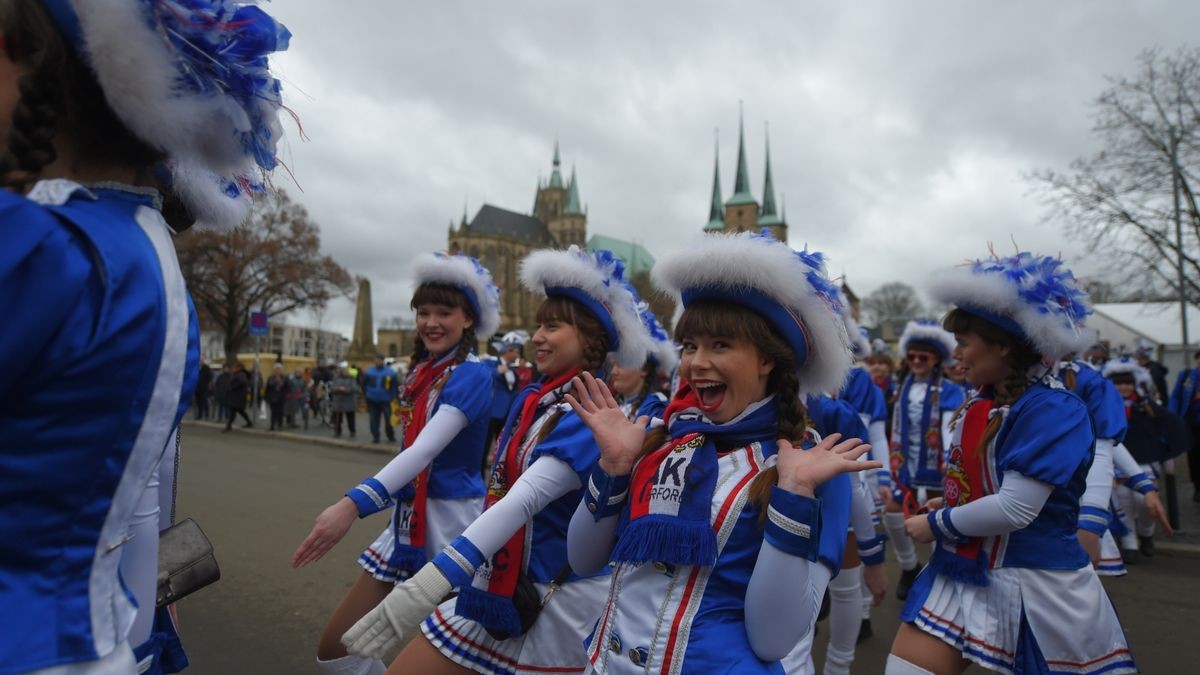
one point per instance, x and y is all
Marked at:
(958, 568)
(494, 612)
(408, 558)
(666, 539)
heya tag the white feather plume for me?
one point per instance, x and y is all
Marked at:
(747, 261)
(576, 269)
(461, 270)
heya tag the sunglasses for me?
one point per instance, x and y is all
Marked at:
(919, 357)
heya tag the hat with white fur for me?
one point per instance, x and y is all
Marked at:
(788, 288)
(467, 275)
(929, 334)
(597, 281)
(663, 354)
(1127, 366)
(860, 343)
(189, 78)
(1033, 297)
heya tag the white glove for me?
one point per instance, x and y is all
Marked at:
(399, 616)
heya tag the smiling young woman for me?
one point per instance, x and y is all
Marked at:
(433, 486)
(726, 521)
(1008, 585)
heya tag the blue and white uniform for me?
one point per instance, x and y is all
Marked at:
(868, 400)
(456, 487)
(651, 405)
(1039, 587)
(664, 618)
(542, 501)
(919, 463)
(108, 351)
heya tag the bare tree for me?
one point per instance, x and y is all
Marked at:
(1126, 201)
(272, 263)
(894, 302)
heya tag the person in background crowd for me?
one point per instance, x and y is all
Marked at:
(221, 392)
(1096, 355)
(297, 401)
(276, 393)
(1185, 402)
(1158, 372)
(380, 387)
(203, 387)
(343, 399)
(511, 376)
(237, 394)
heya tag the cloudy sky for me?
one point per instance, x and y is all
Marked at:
(900, 131)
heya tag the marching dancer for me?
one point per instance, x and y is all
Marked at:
(124, 122)
(727, 520)
(1008, 586)
(923, 409)
(433, 486)
(639, 391)
(520, 607)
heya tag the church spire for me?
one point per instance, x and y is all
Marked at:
(741, 183)
(716, 217)
(556, 177)
(769, 216)
(573, 208)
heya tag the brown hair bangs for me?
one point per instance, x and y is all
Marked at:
(560, 309)
(442, 294)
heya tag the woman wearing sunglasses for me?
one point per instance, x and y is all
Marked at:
(1008, 586)
(920, 422)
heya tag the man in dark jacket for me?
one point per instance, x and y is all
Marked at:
(276, 394)
(379, 384)
(239, 391)
(203, 384)
(1158, 373)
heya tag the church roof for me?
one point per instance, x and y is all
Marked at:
(635, 256)
(497, 221)
(741, 183)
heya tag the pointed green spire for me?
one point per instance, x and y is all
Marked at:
(716, 214)
(769, 217)
(556, 176)
(573, 208)
(741, 183)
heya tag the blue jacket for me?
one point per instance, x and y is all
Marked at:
(380, 384)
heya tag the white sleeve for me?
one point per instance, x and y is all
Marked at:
(782, 601)
(590, 543)
(1124, 465)
(862, 504)
(947, 417)
(877, 435)
(1018, 502)
(1100, 476)
(447, 422)
(547, 479)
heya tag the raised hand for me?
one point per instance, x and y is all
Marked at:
(801, 471)
(329, 528)
(619, 439)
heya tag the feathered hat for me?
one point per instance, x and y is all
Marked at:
(467, 275)
(1033, 297)
(510, 340)
(1127, 366)
(929, 334)
(860, 342)
(190, 78)
(790, 289)
(597, 281)
(663, 353)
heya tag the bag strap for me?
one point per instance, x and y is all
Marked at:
(559, 580)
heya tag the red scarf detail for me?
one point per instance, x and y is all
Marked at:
(416, 392)
(964, 481)
(506, 564)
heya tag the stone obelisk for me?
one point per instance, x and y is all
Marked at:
(362, 347)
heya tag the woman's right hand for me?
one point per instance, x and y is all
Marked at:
(329, 528)
(619, 439)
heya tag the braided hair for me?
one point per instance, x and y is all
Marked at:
(447, 296)
(61, 101)
(1020, 358)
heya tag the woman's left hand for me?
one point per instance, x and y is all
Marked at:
(918, 528)
(801, 471)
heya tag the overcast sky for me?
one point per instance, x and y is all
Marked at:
(900, 131)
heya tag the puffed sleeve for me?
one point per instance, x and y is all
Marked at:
(469, 390)
(46, 272)
(1047, 437)
(1105, 406)
(952, 396)
(572, 442)
(653, 406)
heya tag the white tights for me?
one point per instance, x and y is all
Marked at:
(845, 618)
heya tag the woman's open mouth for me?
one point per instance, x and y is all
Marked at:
(711, 395)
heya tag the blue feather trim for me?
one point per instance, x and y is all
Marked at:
(494, 612)
(958, 568)
(655, 538)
